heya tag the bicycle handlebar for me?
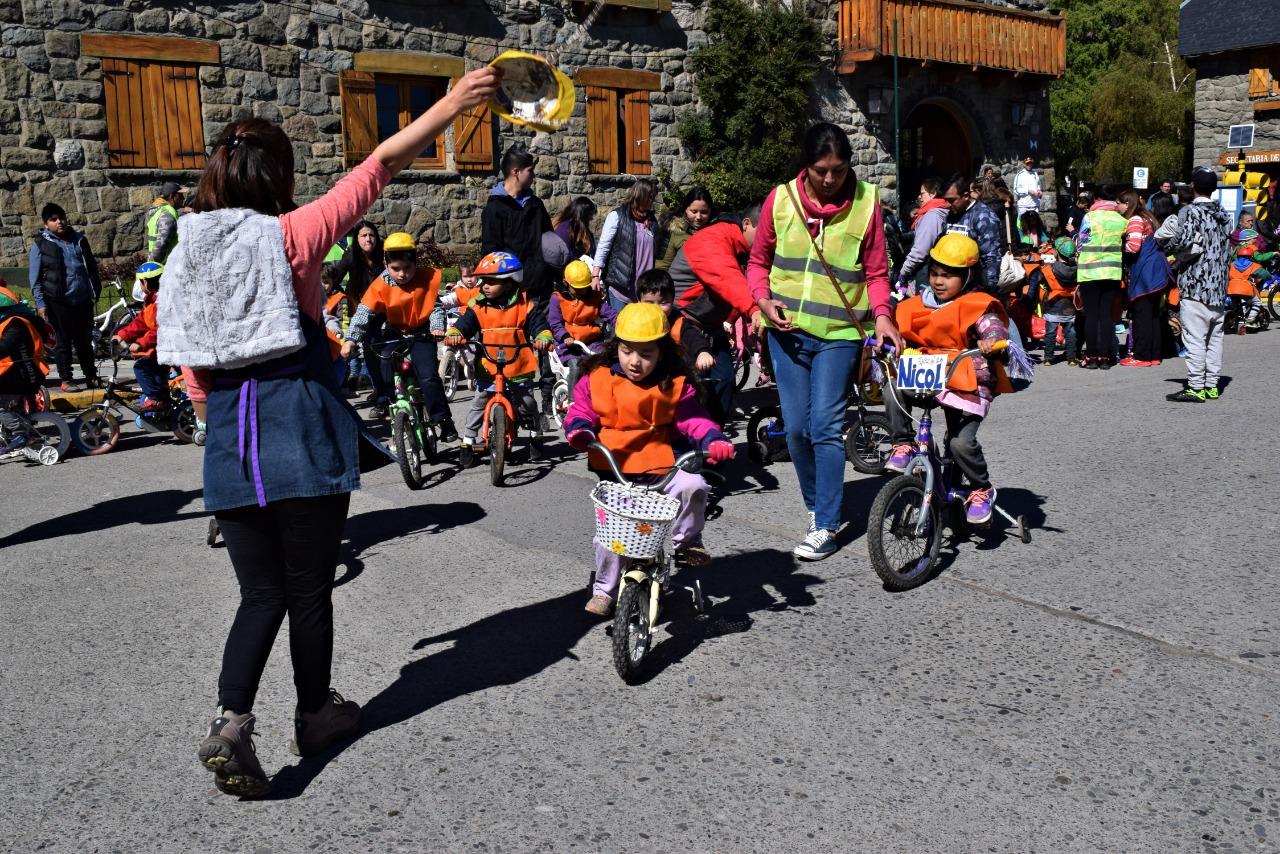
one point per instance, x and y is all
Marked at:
(390, 348)
(680, 464)
(881, 353)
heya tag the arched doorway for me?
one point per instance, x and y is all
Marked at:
(935, 142)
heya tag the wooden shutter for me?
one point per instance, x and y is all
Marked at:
(602, 130)
(1259, 82)
(473, 140)
(635, 107)
(126, 125)
(359, 115)
(175, 126)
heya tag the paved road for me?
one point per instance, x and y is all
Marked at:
(1111, 686)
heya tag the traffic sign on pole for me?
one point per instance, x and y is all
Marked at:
(1140, 177)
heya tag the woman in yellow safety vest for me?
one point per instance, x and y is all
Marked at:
(818, 313)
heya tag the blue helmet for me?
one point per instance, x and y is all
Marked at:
(150, 270)
(500, 265)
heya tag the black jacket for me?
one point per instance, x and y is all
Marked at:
(507, 226)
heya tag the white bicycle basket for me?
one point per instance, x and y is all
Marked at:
(632, 522)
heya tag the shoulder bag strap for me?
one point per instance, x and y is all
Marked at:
(835, 283)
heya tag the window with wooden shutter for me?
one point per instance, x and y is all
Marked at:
(1263, 75)
(618, 119)
(602, 130)
(359, 115)
(635, 125)
(153, 114)
(473, 140)
(377, 106)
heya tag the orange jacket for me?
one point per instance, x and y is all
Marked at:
(1240, 282)
(636, 422)
(406, 309)
(37, 345)
(143, 329)
(582, 316)
(949, 329)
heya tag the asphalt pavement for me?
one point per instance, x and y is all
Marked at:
(1110, 686)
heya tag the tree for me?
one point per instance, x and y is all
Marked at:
(753, 79)
(1125, 99)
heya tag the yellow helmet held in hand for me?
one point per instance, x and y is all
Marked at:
(640, 323)
(399, 241)
(955, 250)
(577, 274)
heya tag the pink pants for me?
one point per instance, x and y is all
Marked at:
(691, 491)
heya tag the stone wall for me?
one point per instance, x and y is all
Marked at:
(1222, 100)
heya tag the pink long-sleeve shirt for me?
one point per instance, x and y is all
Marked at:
(874, 255)
(309, 234)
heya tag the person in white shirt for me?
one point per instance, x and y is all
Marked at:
(1026, 188)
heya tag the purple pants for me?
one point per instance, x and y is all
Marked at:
(691, 491)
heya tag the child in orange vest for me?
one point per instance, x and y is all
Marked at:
(502, 315)
(578, 315)
(337, 314)
(22, 365)
(406, 298)
(952, 316)
(140, 336)
(637, 399)
(1244, 277)
(1057, 300)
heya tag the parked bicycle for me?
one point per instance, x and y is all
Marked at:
(118, 315)
(48, 436)
(414, 435)
(635, 521)
(96, 430)
(904, 529)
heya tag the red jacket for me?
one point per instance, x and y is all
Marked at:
(710, 263)
(142, 329)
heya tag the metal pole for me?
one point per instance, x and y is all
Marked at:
(897, 127)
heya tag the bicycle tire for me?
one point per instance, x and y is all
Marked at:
(450, 377)
(407, 452)
(95, 432)
(497, 444)
(632, 634)
(430, 444)
(741, 371)
(1273, 303)
(184, 423)
(763, 448)
(868, 442)
(559, 403)
(898, 505)
(53, 431)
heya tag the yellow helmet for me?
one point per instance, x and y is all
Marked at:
(640, 322)
(399, 241)
(577, 274)
(955, 250)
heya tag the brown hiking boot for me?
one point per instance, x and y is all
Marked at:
(228, 752)
(600, 606)
(336, 720)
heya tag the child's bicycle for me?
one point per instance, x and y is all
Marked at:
(565, 376)
(48, 436)
(501, 421)
(456, 365)
(904, 528)
(96, 430)
(1235, 318)
(634, 521)
(119, 315)
(413, 434)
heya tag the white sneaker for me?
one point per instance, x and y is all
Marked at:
(819, 544)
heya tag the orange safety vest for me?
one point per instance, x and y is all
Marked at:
(409, 308)
(37, 346)
(334, 304)
(677, 328)
(946, 330)
(582, 316)
(636, 422)
(505, 327)
(1240, 282)
(1053, 288)
(465, 295)
(1174, 297)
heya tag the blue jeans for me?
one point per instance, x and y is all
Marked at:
(426, 367)
(152, 377)
(813, 386)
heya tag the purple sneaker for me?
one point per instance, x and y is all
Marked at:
(900, 457)
(978, 505)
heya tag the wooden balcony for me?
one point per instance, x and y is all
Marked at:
(956, 32)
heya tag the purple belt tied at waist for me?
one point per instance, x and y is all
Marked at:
(247, 420)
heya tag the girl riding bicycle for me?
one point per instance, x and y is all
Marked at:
(637, 398)
(953, 315)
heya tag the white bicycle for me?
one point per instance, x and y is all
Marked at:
(566, 375)
(119, 314)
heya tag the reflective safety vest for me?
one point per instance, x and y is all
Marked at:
(37, 346)
(406, 309)
(1101, 259)
(582, 317)
(636, 422)
(153, 224)
(505, 327)
(946, 330)
(800, 282)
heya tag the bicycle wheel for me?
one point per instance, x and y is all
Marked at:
(95, 432)
(451, 370)
(868, 442)
(498, 428)
(53, 432)
(559, 403)
(429, 443)
(631, 629)
(184, 423)
(902, 559)
(407, 453)
(761, 446)
(1273, 303)
(741, 369)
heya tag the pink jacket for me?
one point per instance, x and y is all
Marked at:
(309, 234)
(874, 254)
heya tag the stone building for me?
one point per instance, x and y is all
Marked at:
(1237, 78)
(103, 101)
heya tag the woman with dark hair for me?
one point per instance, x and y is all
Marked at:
(360, 265)
(627, 241)
(1143, 289)
(573, 226)
(819, 271)
(241, 305)
(1032, 228)
(698, 210)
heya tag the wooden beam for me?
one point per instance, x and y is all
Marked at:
(1266, 106)
(618, 78)
(407, 62)
(167, 48)
(850, 59)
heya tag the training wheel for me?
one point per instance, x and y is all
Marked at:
(1022, 529)
(48, 456)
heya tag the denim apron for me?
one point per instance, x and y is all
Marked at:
(282, 429)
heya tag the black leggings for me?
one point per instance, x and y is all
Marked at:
(284, 556)
(1145, 312)
(1099, 329)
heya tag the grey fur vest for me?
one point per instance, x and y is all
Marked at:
(226, 295)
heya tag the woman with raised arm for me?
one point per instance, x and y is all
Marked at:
(241, 305)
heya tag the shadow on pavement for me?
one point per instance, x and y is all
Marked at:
(375, 527)
(502, 649)
(145, 508)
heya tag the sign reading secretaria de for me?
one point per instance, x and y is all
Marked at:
(1140, 177)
